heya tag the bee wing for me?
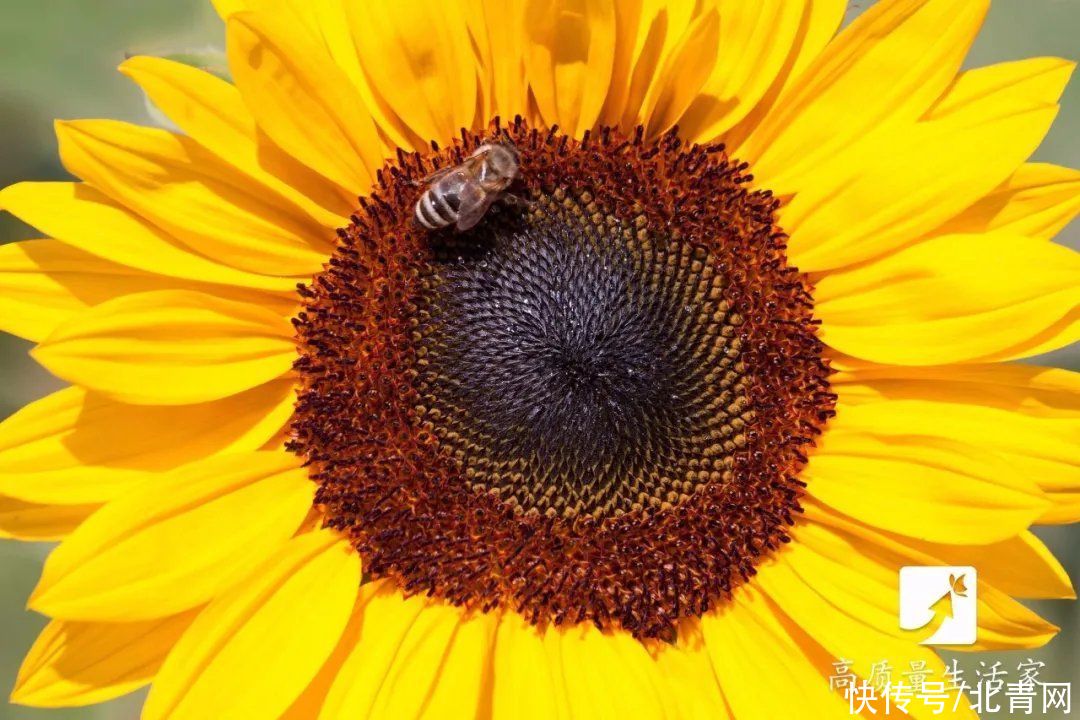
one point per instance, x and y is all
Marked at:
(474, 203)
(466, 167)
(431, 178)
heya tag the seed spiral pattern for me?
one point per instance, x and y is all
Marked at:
(573, 366)
(593, 407)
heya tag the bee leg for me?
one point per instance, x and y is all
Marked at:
(516, 200)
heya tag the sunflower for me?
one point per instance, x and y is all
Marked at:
(651, 440)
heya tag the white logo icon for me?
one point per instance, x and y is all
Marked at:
(941, 602)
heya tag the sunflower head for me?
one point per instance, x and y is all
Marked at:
(722, 345)
(509, 416)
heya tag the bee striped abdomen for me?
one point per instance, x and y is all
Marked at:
(434, 212)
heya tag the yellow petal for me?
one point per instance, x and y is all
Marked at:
(310, 702)
(917, 44)
(861, 574)
(78, 663)
(428, 78)
(326, 24)
(686, 69)
(330, 22)
(1019, 438)
(528, 682)
(647, 33)
(33, 522)
(569, 61)
(955, 298)
(820, 21)
(580, 671)
(628, 19)
(791, 679)
(476, 25)
(1038, 200)
(170, 347)
(177, 540)
(387, 619)
(212, 112)
(1043, 576)
(201, 201)
(1037, 392)
(225, 8)
(253, 650)
(883, 199)
(842, 636)
(76, 448)
(83, 217)
(756, 42)
(1020, 83)
(687, 670)
(497, 28)
(867, 469)
(33, 301)
(414, 658)
(44, 283)
(608, 673)
(441, 668)
(1042, 449)
(302, 100)
(1065, 504)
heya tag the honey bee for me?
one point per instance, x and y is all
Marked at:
(460, 195)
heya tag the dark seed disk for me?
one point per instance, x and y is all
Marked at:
(574, 367)
(592, 407)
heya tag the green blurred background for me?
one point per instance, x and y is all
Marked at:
(57, 60)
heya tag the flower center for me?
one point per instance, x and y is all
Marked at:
(573, 367)
(593, 406)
